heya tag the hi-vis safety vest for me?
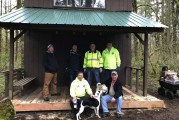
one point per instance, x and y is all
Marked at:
(93, 60)
(111, 58)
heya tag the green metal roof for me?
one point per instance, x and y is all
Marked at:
(38, 16)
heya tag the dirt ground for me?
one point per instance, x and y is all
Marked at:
(170, 113)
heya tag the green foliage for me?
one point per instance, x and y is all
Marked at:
(6, 110)
(163, 47)
(2, 82)
(4, 56)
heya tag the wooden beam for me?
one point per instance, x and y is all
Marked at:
(146, 53)
(19, 35)
(127, 74)
(131, 78)
(139, 37)
(66, 106)
(132, 93)
(137, 80)
(11, 65)
(34, 101)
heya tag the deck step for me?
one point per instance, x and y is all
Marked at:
(35, 102)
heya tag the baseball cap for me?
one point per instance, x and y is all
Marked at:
(50, 45)
(114, 72)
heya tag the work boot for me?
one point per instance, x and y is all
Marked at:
(46, 99)
(73, 116)
(105, 114)
(118, 115)
(56, 94)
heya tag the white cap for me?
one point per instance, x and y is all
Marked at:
(114, 72)
(49, 46)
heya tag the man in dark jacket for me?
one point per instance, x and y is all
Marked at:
(114, 94)
(74, 62)
(50, 64)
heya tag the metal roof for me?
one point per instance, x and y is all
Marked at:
(39, 16)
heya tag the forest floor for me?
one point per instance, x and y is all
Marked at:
(171, 112)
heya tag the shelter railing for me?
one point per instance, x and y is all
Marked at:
(18, 73)
(129, 76)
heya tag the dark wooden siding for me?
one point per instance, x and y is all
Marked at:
(39, 3)
(36, 42)
(111, 5)
(119, 5)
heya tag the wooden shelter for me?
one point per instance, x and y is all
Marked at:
(43, 22)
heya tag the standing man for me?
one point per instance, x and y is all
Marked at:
(74, 62)
(78, 89)
(99, 4)
(93, 63)
(114, 95)
(50, 64)
(87, 3)
(111, 59)
(76, 3)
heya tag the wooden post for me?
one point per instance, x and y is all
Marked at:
(131, 78)
(11, 65)
(126, 73)
(137, 80)
(145, 65)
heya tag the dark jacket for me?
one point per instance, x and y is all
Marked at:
(50, 63)
(117, 87)
(74, 60)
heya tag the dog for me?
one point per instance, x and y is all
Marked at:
(101, 89)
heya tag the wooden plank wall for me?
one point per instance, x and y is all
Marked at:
(36, 42)
(119, 5)
(39, 3)
(111, 5)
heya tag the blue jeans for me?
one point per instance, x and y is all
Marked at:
(93, 71)
(107, 73)
(106, 99)
(73, 75)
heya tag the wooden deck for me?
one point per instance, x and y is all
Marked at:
(33, 101)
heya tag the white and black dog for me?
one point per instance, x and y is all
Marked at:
(101, 89)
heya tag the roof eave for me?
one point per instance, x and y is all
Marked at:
(21, 26)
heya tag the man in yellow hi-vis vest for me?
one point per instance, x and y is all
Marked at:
(111, 59)
(93, 63)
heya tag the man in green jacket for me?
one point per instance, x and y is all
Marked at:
(111, 60)
(78, 89)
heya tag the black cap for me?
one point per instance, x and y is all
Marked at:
(109, 41)
(92, 43)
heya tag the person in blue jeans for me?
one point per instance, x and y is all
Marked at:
(111, 60)
(93, 63)
(74, 62)
(114, 95)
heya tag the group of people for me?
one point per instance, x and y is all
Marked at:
(94, 63)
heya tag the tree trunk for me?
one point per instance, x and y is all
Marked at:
(1, 35)
(136, 43)
(17, 45)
